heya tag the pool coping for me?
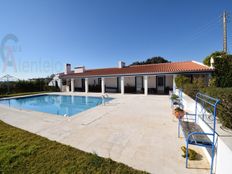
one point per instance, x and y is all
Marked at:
(123, 131)
(52, 93)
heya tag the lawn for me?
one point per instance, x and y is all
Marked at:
(24, 152)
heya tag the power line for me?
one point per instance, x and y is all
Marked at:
(206, 27)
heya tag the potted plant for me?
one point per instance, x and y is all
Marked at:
(175, 100)
(179, 113)
(174, 97)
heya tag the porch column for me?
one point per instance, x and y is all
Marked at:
(86, 85)
(122, 85)
(145, 78)
(103, 85)
(72, 85)
(174, 83)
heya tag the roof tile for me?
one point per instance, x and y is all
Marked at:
(175, 67)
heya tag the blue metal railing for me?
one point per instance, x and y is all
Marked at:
(212, 102)
(206, 104)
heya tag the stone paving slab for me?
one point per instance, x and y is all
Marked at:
(133, 129)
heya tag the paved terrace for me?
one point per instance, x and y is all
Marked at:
(137, 130)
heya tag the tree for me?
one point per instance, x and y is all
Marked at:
(206, 61)
(153, 60)
(222, 76)
(223, 71)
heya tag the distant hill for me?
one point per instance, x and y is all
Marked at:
(153, 60)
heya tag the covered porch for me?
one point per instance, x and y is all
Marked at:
(142, 79)
(136, 84)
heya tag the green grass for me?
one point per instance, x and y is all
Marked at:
(22, 94)
(24, 152)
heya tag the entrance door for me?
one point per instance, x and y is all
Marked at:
(160, 84)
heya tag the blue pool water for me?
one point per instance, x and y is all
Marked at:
(55, 104)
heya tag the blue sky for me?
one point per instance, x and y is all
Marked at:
(98, 33)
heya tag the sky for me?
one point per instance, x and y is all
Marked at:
(39, 37)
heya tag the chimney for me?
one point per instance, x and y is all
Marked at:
(211, 62)
(67, 68)
(79, 69)
(121, 64)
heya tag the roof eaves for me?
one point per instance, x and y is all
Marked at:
(145, 73)
(199, 63)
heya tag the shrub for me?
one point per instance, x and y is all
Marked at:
(191, 90)
(223, 71)
(225, 107)
(181, 80)
(192, 154)
(52, 88)
(166, 90)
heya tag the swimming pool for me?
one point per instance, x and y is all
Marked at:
(55, 104)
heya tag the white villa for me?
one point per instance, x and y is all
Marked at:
(139, 79)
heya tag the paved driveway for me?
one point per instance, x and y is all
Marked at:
(133, 129)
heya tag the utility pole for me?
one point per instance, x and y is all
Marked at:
(225, 31)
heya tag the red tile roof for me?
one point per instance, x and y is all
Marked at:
(175, 67)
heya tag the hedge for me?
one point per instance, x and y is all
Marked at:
(224, 113)
(225, 107)
(223, 71)
(25, 86)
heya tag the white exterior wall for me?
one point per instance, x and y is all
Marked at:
(78, 83)
(111, 82)
(63, 88)
(91, 81)
(151, 81)
(129, 81)
(224, 158)
(223, 155)
(169, 81)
